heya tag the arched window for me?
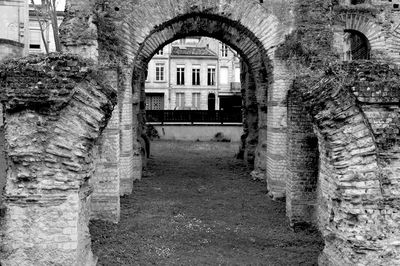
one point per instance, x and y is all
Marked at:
(356, 46)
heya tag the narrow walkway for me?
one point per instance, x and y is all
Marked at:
(197, 205)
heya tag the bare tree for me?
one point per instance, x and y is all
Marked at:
(46, 15)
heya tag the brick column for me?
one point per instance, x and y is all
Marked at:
(302, 168)
(105, 204)
(276, 130)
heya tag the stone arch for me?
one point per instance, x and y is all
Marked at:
(345, 139)
(197, 24)
(361, 24)
(234, 34)
(139, 19)
(356, 163)
(146, 16)
(261, 32)
(357, 46)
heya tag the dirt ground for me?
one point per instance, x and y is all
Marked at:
(197, 205)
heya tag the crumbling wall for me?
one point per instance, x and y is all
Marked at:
(357, 123)
(302, 163)
(55, 109)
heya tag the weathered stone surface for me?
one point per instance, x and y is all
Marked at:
(357, 202)
(55, 109)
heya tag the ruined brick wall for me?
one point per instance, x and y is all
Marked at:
(278, 40)
(356, 121)
(376, 20)
(302, 163)
(55, 109)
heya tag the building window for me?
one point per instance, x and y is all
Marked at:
(224, 50)
(35, 39)
(196, 75)
(180, 100)
(196, 100)
(224, 75)
(180, 75)
(211, 76)
(159, 72)
(160, 52)
(154, 101)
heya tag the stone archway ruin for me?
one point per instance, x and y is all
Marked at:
(78, 146)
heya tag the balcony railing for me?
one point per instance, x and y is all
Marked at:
(193, 116)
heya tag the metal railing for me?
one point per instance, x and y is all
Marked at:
(193, 116)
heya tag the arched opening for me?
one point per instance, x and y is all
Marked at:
(356, 46)
(194, 83)
(251, 51)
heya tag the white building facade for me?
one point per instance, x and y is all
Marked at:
(196, 73)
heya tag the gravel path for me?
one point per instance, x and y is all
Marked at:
(197, 205)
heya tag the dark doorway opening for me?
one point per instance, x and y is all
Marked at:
(211, 102)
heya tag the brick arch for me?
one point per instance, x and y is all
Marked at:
(233, 33)
(358, 162)
(134, 21)
(147, 16)
(362, 24)
(348, 168)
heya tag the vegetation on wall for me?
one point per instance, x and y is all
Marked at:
(309, 46)
(110, 49)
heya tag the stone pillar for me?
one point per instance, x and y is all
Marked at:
(105, 204)
(55, 109)
(276, 130)
(250, 116)
(137, 123)
(127, 153)
(302, 168)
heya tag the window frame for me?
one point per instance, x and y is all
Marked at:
(224, 50)
(180, 75)
(196, 96)
(160, 72)
(196, 78)
(182, 101)
(211, 75)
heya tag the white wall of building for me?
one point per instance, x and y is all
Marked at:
(228, 63)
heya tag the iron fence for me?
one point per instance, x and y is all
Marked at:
(193, 116)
